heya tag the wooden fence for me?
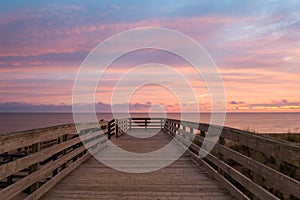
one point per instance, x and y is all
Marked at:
(250, 166)
(32, 162)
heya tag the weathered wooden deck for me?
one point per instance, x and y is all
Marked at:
(183, 179)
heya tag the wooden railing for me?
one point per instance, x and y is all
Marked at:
(117, 127)
(34, 161)
(146, 123)
(250, 166)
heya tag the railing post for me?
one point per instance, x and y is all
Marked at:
(34, 148)
(117, 128)
(177, 128)
(55, 156)
(145, 124)
(184, 129)
(172, 128)
(130, 124)
(110, 127)
(124, 129)
(167, 125)
(191, 131)
(202, 133)
(10, 178)
(221, 142)
(64, 152)
(258, 156)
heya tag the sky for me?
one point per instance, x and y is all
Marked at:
(255, 45)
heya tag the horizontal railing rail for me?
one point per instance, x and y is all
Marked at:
(46, 156)
(250, 166)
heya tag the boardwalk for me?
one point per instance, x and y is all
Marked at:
(182, 179)
(53, 163)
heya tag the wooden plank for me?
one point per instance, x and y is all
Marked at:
(92, 134)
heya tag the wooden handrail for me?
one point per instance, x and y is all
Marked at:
(263, 158)
(267, 145)
(63, 149)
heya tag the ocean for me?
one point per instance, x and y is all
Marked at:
(258, 122)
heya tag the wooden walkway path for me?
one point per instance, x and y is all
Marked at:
(183, 179)
(53, 163)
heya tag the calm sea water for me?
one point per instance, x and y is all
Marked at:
(260, 122)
